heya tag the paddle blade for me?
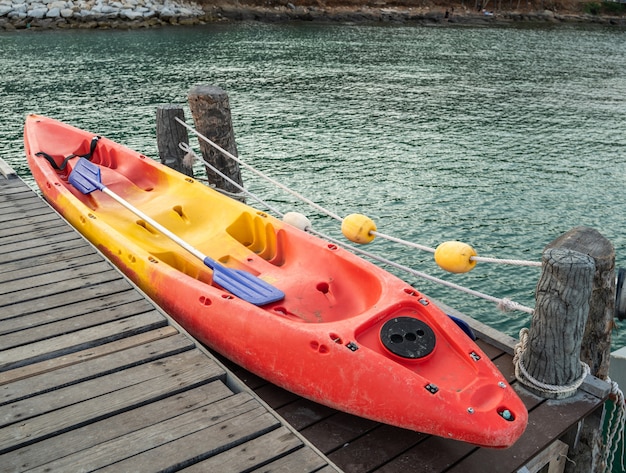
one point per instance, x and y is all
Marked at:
(244, 285)
(86, 177)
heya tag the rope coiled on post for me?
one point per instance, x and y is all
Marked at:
(524, 377)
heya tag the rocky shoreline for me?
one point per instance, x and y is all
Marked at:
(88, 14)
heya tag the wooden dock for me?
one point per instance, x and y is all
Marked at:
(94, 376)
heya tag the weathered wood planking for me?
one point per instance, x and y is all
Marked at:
(358, 445)
(93, 376)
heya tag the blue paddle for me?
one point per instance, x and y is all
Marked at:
(86, 178)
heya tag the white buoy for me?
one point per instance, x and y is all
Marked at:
(298, 220)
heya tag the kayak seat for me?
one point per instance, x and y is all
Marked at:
(258, 235)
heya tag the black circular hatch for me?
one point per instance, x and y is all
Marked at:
(407, 337)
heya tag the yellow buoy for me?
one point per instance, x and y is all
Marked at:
(357, 228)
(454, 256)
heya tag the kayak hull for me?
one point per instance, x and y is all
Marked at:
(347, 334)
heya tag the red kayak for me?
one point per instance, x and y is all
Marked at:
(296, 310)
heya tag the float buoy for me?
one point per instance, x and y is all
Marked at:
(455, 257)
(298, 220)
(357, 228)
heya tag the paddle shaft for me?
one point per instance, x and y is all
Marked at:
(158, 226)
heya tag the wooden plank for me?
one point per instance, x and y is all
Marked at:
(6, 217)
(375, 448)
(337, 430)
(38, 236)
(192, 435)
(26, 223)
(274, 396)
(94, 409)
(35, 262)
(18, 275)
(489, 350)
(73, 310)
(60, 362)
(74, 324)
(251, 380)
(203, 444)
(16, 190)
(254, 453)
(7, 201)
(549, 421)
(17, 201)
(56, 278)
(23, 206)
(302, 413)
(434, 454)
(29, 248)
(61, 345)
(50, 400)
(91, 435)
(304, 460)
(95, 289)
(95, 367)
(27, 301)
(554, 456)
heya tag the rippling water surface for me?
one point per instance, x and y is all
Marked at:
(502, 138)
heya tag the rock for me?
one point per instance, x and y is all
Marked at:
(5, 10)
(67, 13)
(166, 13)
(131, 14)
(108, 9)
(37, 13)
(53, 13)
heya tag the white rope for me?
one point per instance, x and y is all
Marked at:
(503, 304)
(259, 173)
(331, 214)
(524, 377)
(616, 428)
(190, 152)
(515, 262)
(403, 242)
(484, 259)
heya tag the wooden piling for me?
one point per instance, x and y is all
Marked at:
(573, 319)
(586, 446)
(552, 356)
(169, 134)
(596, 345)
(210, 109)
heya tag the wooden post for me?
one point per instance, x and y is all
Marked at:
(169, 134)
(562, 305)
(596, 346)
(586, 449)
(210, 109)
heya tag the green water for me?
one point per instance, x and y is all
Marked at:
(500, 137)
